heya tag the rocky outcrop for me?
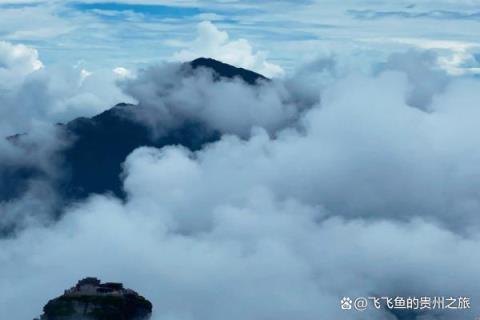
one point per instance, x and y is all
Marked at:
(91, 299)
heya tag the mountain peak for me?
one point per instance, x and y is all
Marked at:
(226, 70)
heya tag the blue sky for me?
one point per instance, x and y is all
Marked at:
(148, 10)
(287, 33)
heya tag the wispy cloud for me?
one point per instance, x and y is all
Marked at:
(435, 14)
(132, 33)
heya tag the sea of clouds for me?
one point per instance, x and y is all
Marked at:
(327, 183)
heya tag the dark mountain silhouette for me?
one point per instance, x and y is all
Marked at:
(92, 161)
(14, 180)
(227, 71)
(100, 145)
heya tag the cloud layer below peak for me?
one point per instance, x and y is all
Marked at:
(364, 185)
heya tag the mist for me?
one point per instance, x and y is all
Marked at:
(331, 182)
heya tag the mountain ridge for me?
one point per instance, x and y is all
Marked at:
(228, 71)
(92, 162)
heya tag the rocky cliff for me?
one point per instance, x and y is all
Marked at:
(90, 299)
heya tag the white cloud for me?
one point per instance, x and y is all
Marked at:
(213, 43)
(31, 93)
(289, 30)
(365, 193)
(455, 57)
(364, 154)
(36, 22)
(16, 62)
(168, 97)
(122, 72)
(352, 191)
(21, 1)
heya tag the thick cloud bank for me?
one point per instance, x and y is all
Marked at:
(325, 185)
(171, 94)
